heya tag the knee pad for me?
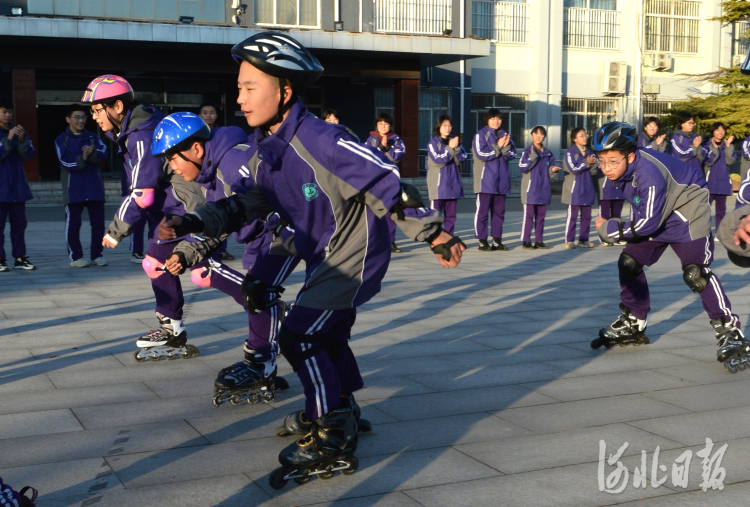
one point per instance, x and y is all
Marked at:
(628, 267)
(287, 344)
(144, 197)
(333, 348)
(149, 266)
(201, 277)
(695, 278)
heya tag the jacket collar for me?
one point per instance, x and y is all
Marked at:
(271, 148)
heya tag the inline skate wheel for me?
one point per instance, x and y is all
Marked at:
(281, 384)
(267, 396)
(137, 357)
(330, 471)
(304, 478)
(281, 432)
(276, 480)
(595, 344)
(353, 463)
(216, 400)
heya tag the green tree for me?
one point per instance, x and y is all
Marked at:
(731, 105)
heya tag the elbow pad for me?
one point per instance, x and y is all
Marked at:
(409, 197)
(144, 197)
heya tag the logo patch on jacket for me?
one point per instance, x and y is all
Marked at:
(636, 200)
(310, 190)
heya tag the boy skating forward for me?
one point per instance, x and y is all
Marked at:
(334, 193)
(670, 208)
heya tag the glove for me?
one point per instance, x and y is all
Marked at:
(444, 249)
(190, 224)
(258, 296)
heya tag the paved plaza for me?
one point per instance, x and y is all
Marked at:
(480, 383)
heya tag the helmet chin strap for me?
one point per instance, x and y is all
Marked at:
(116, 125)
(283, 108)
(183, 157)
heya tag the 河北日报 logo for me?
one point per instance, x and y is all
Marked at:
(636, 200)
(310, 190)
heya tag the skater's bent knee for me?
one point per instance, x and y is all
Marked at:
(201, 277)
(150, 266)
(695, 278)
(628, 267)
(291, 347)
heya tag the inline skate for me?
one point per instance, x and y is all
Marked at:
(252, 380)
(626, 330)
(168, 341)
(296, 423)
(732, 347)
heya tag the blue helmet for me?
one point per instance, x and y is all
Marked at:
(615, 135)
(175, 129)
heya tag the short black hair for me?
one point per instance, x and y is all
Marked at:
(653, 119)
(492, 113)
(541, 129)
(384, 117)
(684, 118)
(6, 103)
(573, 133)
(439, 123)
(211, 104)
(75, 107)
(329, 112)
(715, 127)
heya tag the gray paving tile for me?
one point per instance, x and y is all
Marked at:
(38, 423)
(397, 499)
(148, 370)
(469, 378)
(731, 496)
(694, 428)
(706, 397)
(587, 413)
(620, 359)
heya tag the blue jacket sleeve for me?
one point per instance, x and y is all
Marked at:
(576, 163)
(439, 156)
(529, 159)
(68, 160)
(683, 148)
(485, 150)
(25, 147)
(461, 155)
(397, 151)
(646, 214)
(746, 148)
(509, 152)
(99, 155)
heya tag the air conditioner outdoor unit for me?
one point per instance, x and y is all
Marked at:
(661, 61)
(615, 78)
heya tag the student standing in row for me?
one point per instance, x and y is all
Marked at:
(15, 147)
(718, 154)
(384, 139)
(444, 156)
(81, 155)
(578, 188)
(686, 143)
(650, 138)
(537, 165)
(493, 150)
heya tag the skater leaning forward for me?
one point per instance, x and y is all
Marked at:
(333, 192)
(670, 208)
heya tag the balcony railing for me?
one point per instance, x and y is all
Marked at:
(501, 22)
(673, 26)
(414, 17)
(591, 28)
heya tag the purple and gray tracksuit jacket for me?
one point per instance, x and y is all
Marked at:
(443, 170)
(669, 201)
(683, 149)
(578, 186)
(13, 184)
(394, 149)
(646, 142)
(536, 167)
(716, 162)
(145, 174)
(491, 173)
(81, 179)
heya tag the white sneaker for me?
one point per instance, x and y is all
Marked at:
(80, 263)
(100, 261)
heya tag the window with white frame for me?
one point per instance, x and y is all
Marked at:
(660, 109)
(587, 113)
(302, 13)
(501, 22)
(412, 17)
(512, 111)
(591, 24)
(741, 41)
(673, 26)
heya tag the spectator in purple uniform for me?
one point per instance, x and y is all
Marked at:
(444, 157)
(15, 147)
(384, 139)
(718, 154)
(650, 137)
(81, 155)
(686, 143)
(578, 188)
(493, 149)
(745, 160)
(537, 165)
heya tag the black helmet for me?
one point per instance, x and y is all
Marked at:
(280, 56)
(615, 136)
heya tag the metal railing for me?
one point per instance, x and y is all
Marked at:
(741, 44)
(501, 22)
(414, 17)
(591, 28)
(673, 26)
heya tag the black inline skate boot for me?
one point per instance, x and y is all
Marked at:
(296, 423)
(626, 330)
(168, 341)
(252, 380)
(329, 447)
(732, 347)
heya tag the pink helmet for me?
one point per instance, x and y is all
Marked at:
(108, 88)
